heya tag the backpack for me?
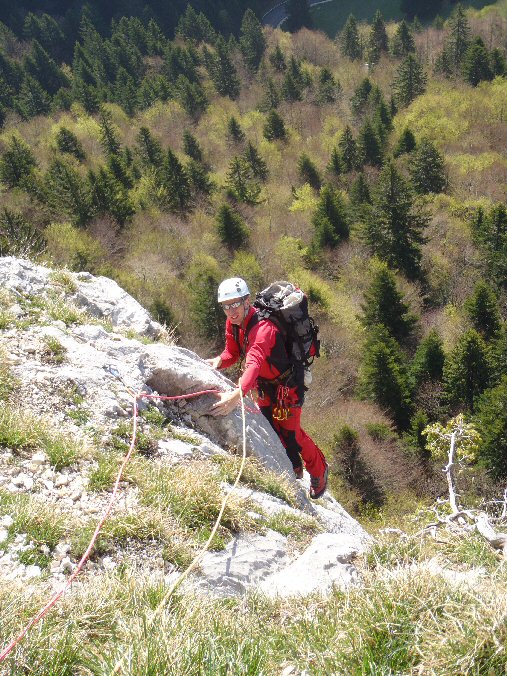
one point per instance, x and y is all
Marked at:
(286, 306)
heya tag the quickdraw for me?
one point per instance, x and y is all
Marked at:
(282, 410)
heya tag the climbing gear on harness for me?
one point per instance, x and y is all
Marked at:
(318, 484)
(298, 471)
(235, 287)
(282, 409)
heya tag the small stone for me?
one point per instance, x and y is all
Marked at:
(38, 459)
(32, 571)
(61, 550)
(48, 484)
(12, 488)
(108, 563)
(289, 670)
(45, 550)
(54, 567)
(3, 535)
(6, 521)
(59, 324)
(66, 565)
(61, 480)
(28, 483)
(19, 481)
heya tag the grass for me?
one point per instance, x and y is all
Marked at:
(63, 279)
(300, 529)
(7, 381)
(22, 433)
(54, 352)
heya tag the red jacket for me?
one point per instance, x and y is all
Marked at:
(266, 356)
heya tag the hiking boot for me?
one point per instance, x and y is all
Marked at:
(298, 471)
(318, 484)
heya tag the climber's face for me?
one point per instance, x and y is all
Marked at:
(236, 309)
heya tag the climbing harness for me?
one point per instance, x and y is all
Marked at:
(282, 409)
(58, 595)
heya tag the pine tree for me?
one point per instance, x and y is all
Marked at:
(491, 234)
(298, 15)
(410, 81)
(41, 67)
(349, 39)
(360, 191)
(459, 38)
(277, 59)
(46, 31)
(394, 228)
(309, 172)
(193, 26)
(121, 170)
(235, 134)
(274, 128)
(257, 165)
(403, 41)
(252, 42)
(370, 146)
(175, 184)
(482, 310)
(291, 89)
(198, 176)
(428, 362)
(359, 100)
(149, 148)
(329, 219)
(467, 371)
(427, 169)
(328, 87)
(32, 99)
(16, 163)
(383, 377)
(191, 96)
(498, 63)
(406, 143)
(108, 133)
(476, 63)
(348, 150)
(109, 196)
(240, 183)
(125, 91)
(335, 162)
(204, 277)
(377, 40)
(68, 142)
(383, 304)
(271, 98)
(191, 146)
(492, 426)
(222, 71)
(231, 228)
(66, 192)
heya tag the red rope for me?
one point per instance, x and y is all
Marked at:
(55, 598)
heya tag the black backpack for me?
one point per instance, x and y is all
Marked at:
(286, 306)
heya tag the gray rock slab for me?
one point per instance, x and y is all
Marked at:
(324, 564)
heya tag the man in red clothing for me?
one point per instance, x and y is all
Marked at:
(267, 367)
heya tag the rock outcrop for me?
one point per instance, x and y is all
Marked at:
(104, 364)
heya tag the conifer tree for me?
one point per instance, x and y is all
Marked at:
(370, 146)
(223, 72)
(68, 142)
(199, 179)
(377, 40)
(271, 98)
(476, 63)
(410, 81)
(32, 99)
(360, 191)
(428, 362)
(191, 146)
(240, 183)
(467, 371)
(349, 39)
(291, 89)
(359, 100)
(329, 219)
(235, 134)
(40, 66)
(427, 169)
(498, 352)
(207, 315)
(149, 148)
(498, 63)
(406, 143)
(459, 38)
(193, 26)
(383, 376)
(109, 196)
(335, 162)
(328, 87)
(403, 41)
(45, 29)
(120, 168)
(16, 163)
(277, 59)
(125, 91)
(482, 310)
(309, 172)
(174, 181)
(298, 15)
(383, 304)
(252, 42)
(492, 426)
(348, 150)
(66, 192)
(231, 228)
(108, 133)
(257, 165)
(274, 128)
(191, 96)
(394, 227)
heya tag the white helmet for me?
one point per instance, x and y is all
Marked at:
(235, 287)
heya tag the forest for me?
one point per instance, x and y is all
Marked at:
(370, 169)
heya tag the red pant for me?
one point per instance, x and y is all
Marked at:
(296, 442)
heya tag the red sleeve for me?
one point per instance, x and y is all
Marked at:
(231, 352)
(262, 339)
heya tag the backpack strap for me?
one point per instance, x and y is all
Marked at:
(254, 319)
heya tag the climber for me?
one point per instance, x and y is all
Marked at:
(267, 367)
